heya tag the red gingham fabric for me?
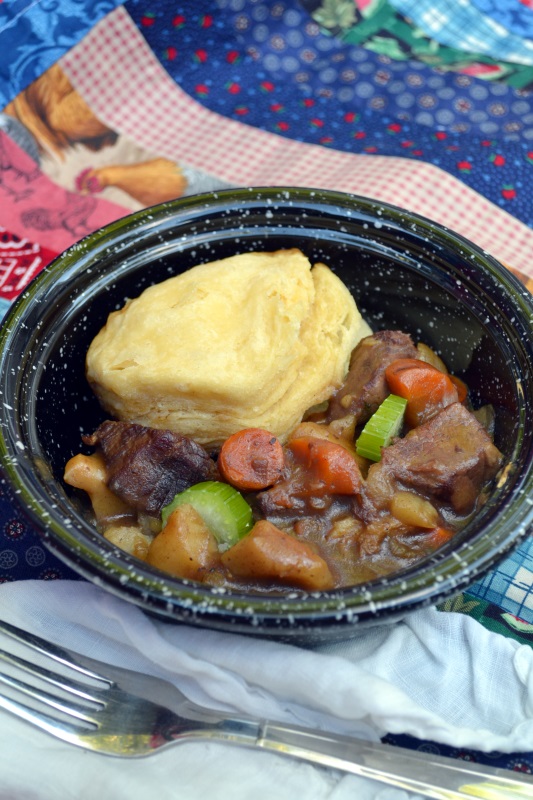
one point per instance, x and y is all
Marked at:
(126, 86)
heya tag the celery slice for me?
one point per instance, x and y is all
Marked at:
(223, 509)
(382, 426)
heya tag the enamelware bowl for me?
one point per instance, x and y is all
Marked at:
(404, 271)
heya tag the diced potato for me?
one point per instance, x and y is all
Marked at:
(319, 431)
(413, 510)
(267, 553)
(89, 474)
(344, 429)
(185, 548)
(149, 525)
(428, 355)
(129, 538)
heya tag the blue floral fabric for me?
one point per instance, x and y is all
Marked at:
(458, 23)
(34, 35)
(23, 555)
(273, 67)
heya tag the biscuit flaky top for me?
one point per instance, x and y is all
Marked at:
(253, 340)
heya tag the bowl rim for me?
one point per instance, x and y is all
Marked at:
(121, 574)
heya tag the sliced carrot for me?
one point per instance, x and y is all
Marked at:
(251, 459)
(462, 389)
(426, 389)
(331, 467)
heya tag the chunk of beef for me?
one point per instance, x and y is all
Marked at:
(289, 499)
(365, 387)
(147, 467)
(449, 458)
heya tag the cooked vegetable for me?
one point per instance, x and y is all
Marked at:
(428, 355)
(251, 459)
(381, 428)
(426, 389)
(462, 389)
(90, 474)
(413, 510)
(267, 553)
(316, 430)
(129, 538)
(332, 467)
(225, 512)
(185, 547)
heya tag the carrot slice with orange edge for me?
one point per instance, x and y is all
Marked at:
(426, 389)
(330, 465)
(251, 459)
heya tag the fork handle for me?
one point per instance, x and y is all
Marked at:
(435, 776)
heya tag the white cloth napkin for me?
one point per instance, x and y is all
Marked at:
(437, 676)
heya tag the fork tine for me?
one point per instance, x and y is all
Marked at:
(72, 686)
(50, 650)
(73, 709)
(64, 730)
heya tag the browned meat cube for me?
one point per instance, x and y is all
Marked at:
(146, 466)
(449, 458)
(365, 387)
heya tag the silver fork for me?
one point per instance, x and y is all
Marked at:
(117, 712)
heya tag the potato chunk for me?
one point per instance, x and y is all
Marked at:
(320, 431)
(411, 509)
(89, 473)
(185, 548)
(267, 553)
(130, 539)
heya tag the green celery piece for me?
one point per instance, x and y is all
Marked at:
(382, 426)
(223, 509)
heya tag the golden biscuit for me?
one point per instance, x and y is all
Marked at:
(253, 340)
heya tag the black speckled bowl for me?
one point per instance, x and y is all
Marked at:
(404, 272)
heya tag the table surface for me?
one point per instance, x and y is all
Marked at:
(109, 108)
